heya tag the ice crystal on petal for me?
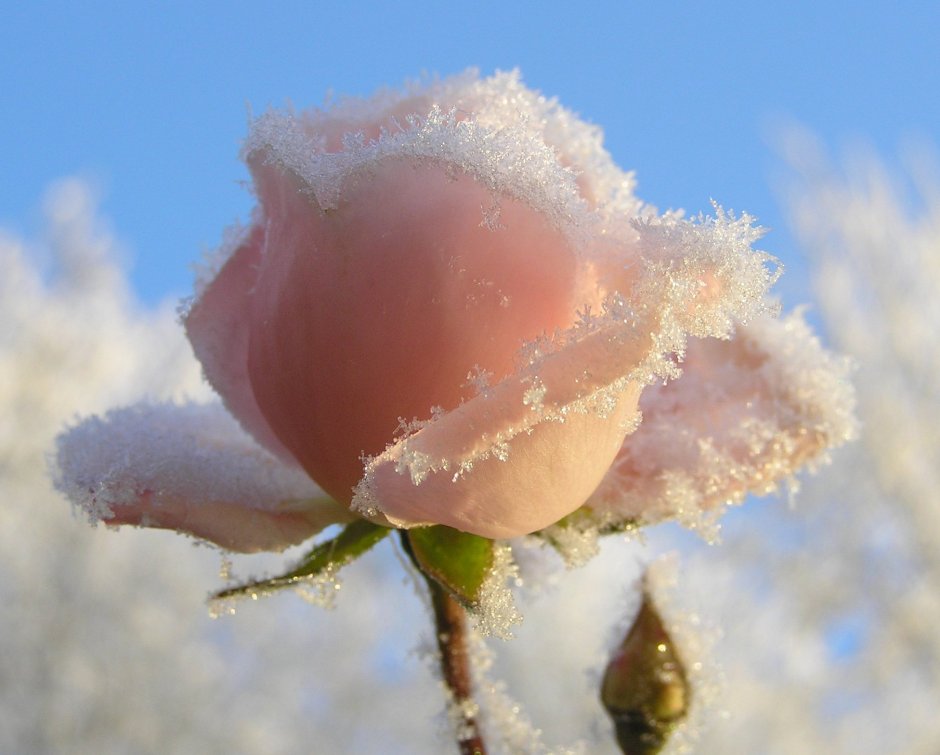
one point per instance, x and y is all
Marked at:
(479, 380)
(534, 395)
(417, 464)
(491, 217)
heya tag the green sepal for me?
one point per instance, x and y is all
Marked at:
(354, 540)
(586, 523)
(458, 561)
(585, 518)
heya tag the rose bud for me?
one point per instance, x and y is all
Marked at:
(644, 688)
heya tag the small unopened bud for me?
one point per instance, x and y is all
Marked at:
(645, 689)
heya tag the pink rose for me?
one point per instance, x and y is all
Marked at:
(448, 308)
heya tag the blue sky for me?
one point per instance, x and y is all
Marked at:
(149, 100)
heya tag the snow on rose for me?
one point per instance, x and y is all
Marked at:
(449, 308)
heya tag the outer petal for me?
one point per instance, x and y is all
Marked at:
(217, 325)
(498, 490)
(189, 468)
(379, 309)
(745, 414)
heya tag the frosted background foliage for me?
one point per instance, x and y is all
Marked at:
(828, 610)
(874, 235)
(839, 649)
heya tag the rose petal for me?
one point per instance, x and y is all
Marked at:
(217, 327)
(561, 421)
(746, 413)
(503, 490)
(189, 468)
(377, 310)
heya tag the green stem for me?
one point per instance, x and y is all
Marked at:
(450, 621)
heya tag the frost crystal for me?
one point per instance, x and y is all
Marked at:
(479, 379)
(502, 716)
(496, 612)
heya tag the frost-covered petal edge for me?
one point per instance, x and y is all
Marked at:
(189, 468)
(745, 414)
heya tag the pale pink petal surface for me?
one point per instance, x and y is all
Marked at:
(217, 326)
(498, 491)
